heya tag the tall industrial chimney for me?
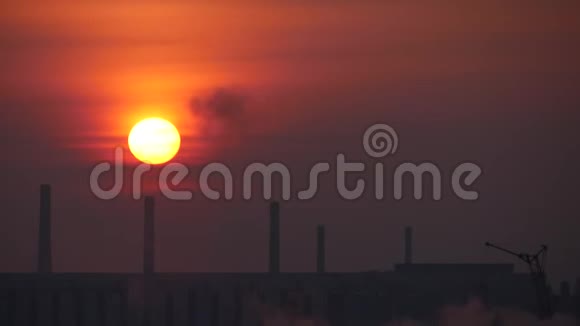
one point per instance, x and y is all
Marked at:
(320, 250)
(408, 245)
(149, 237)
(44, 231)
(274, 237)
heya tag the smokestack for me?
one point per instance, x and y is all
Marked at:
(149, 237)
(320, 246)
(44, 231)
(274, 237)
(408, 245)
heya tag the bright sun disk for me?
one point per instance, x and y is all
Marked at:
(154, 141)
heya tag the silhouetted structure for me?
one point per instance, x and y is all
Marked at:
(44, 231)
(576, 300)
(536, 264)
(410, 290)
(148, 257)
(320, 250)
(274, 238)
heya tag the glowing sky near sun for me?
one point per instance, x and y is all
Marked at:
(107, 65)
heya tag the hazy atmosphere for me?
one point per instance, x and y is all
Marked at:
(495, 83)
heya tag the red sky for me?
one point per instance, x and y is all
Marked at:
(491, 81)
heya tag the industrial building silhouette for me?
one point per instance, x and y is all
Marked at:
(410, 290)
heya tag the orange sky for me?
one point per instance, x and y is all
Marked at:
(119, 62)
(491, 81)
(94, 68)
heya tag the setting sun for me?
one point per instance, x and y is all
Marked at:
(154, 141)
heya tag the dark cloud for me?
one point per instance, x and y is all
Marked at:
(221, 103)
(222, 111)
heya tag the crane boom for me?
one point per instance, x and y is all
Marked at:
(536, 264)
(488, 244)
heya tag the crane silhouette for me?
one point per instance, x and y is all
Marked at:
(537, 266)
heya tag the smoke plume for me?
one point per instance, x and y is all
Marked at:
(222, 112)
